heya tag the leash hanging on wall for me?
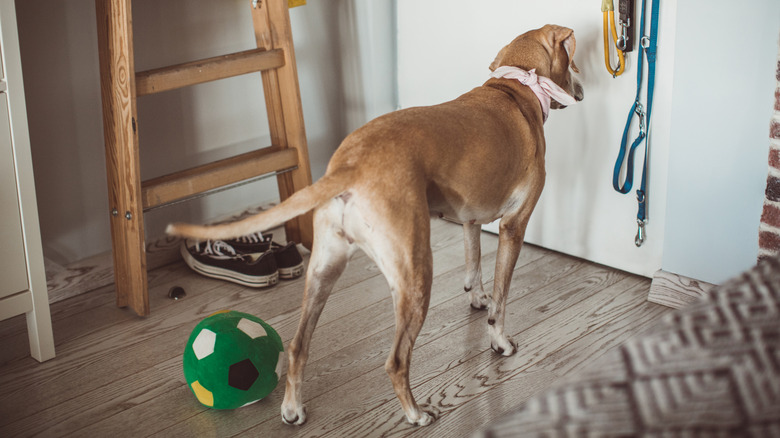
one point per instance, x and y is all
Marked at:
(642, 112)
(625, 41)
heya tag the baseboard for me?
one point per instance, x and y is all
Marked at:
(98, 271)
(675, 290)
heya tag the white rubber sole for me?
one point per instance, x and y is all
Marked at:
(226, 274)
(291, 273)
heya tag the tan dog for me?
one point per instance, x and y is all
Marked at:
(477, 158)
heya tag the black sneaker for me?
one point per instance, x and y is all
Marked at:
(288, 260)
(217, 259)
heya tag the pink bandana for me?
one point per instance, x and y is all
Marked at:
(544, 88)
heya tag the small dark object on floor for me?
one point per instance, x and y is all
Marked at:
(176, 293)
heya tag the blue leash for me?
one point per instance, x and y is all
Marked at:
(649, 48)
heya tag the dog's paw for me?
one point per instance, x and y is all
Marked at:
(479, 301)
(478, 306)
(426, 415)
(504, 346)
(294, 416)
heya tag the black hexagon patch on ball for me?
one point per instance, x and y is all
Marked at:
(242, 375)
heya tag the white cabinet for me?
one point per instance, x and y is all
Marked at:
(13, 269)
(22, 274)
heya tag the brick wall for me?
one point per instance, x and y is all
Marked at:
(769, 229)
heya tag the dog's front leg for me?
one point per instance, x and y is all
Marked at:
(473, 282)
(510, 239)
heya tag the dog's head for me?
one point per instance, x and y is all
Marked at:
(549, 50)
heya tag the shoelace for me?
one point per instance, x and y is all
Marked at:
(251, 238)
(217, 249)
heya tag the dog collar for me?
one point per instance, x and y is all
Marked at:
(544, 88)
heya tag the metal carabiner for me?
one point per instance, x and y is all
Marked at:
(640, 233)
(640, 112)
(622, 42)
(640, 109)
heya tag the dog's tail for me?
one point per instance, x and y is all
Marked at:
(299, 203)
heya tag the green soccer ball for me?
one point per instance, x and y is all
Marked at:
(232, 359)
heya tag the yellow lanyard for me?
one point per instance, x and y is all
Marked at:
(608, 10)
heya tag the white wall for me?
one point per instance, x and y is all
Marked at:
(709, 135)
(723, 95)
(180, 128)
(370, 84)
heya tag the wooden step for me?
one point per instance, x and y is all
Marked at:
(186, 183)
(206, 70)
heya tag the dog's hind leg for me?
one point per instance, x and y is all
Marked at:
(329, 256)
(408, 268)
(473, 282)
(401, 249)
(411, 297)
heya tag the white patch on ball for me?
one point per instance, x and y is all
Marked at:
(252, 329)
(204, 343)
(253, 401)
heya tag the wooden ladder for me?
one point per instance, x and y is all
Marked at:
(121, 85)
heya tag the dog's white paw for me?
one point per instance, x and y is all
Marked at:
(425, 416)
(480, 302)
(504, 346)
(499, 342)
(294, 416)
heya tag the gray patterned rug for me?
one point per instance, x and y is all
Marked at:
(709, 369)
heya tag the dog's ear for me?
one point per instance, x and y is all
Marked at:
(563, 37)
(497, 62)
(570, 44)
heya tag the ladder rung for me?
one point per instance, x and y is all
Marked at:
(205, 70)
(179, 185)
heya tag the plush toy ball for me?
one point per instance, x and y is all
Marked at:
(232, 359)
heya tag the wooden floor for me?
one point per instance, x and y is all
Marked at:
(119, 375)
